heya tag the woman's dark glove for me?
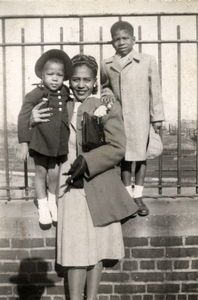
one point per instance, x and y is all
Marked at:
(77, 170)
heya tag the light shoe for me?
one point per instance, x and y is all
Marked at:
(44, 212)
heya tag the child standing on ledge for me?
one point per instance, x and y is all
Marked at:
(134, 79)
(47, 142)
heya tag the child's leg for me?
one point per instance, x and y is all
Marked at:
(140, 173)
(40, 187)
(93, 280)
(76, 282)
(53, 174)
(40, 176)
(126, 175)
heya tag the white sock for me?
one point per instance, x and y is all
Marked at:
(138, 191)
(129, 190)
(42, 201)
(52, 206)
(44, 213)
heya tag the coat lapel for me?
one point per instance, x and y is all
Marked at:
(115, 64)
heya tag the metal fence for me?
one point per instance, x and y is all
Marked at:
(80, 42)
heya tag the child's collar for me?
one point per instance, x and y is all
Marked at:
(133, 55)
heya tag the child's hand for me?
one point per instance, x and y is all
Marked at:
(157, 126)
(107, 96)
(22, 151)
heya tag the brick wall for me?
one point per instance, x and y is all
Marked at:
(154, 268)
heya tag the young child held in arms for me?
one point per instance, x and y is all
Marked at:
(47, 142)
(133, 78)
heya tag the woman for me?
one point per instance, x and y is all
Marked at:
(89, 230)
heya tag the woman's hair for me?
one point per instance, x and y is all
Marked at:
(90, 62)
(122, 25)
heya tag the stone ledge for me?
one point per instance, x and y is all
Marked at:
(168, 217)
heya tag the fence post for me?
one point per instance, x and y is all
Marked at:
(81, 37)
(179, 113)
(23, 95)
(61, 37)
(160, 75)
(42, 34)
(197, 108)
(139, 38)
(5, 114)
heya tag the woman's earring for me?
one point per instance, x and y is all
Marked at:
(95, 88)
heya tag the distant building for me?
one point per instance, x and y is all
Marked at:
(188, 128)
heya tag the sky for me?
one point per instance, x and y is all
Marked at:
(91, 28)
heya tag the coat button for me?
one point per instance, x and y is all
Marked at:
(60, 109)
(60, 103)
(59, 97)
(58, 92)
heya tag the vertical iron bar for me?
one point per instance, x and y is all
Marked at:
(179, 113)
(81, 36)
(5, 113)
(23, 95)
(42, 34)
(101, 48)
(160, 75)
(140, 38)
(197, 108)
(101, 45)
(61, 37)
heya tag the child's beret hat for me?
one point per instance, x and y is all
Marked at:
(54, 53)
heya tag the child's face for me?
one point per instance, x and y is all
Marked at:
(123, 42)
(82, 82)
(53, 75)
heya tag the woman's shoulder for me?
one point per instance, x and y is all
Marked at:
(94, 99)
(91, 102)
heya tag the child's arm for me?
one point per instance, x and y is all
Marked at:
(24, 130)
(106, 93)
(156, 103)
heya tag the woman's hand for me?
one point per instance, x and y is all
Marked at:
(22, 152)
(40, 115)
(77, 170)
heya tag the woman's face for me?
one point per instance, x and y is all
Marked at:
(82, 82)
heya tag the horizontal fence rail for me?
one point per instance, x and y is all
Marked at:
(81, 43)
